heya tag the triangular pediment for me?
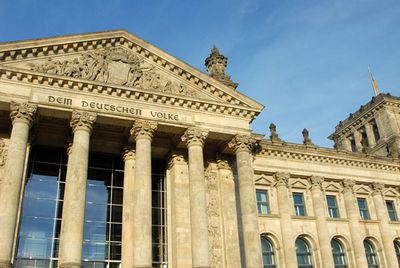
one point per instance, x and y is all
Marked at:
(363, 189)
(120, 60)
(299, 184)
(332, 187)
(264, 180)
(390, 191)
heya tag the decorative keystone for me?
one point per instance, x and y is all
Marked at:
(83, 120)
(195, 136)
(143, 129)
(24, 112)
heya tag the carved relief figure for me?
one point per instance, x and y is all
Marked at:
(103, 64)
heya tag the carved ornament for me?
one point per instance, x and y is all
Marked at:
(176, 159)
(143, 129)
(128, 152)
(3, 152)
(223, 164)
(282, 179)
(316, 182)
(195, 136)
(22, 112)
(348, 185)
(115, 66)
(242, 143)
(82, 120)
(378, 188)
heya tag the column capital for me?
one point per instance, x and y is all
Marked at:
(23, 111)
(377, 188)
(128, 152)
(69, 146)
(316, 182)
(143, 129)
(177, 158)
(242, 143)
(282, 178)
(195, 136)
(348, 185)
(82, 120)
(223, 164)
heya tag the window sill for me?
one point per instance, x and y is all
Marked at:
(337, 219)
(303, 217)
(369, 221)
(268, 215)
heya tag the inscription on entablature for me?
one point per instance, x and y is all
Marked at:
(110, 108)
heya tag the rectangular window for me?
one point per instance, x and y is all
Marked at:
(299, 207)
(353, 144)
(262, 202)
(362, 205)
(333, 209)
(375, 130)
(391, 210)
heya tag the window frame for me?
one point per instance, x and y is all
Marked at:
(304, 254)
(296, 206)
(393, 211)
(372, 255)
(364, 212)
(261, 204)
(331, 208)
(340, 255)
(270, 253)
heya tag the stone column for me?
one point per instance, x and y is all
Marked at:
(285, 211)
(180, 229)
(357, 140)
(242, 145)
(73, 213)
(344, 143)
(384, 226)
(229, 214)
(353, 214)
(194, 138)
(22, 116)
(320, 215)
(370, 135)
(128, 207)
(143, 132)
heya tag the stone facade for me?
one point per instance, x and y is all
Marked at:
(228, 191)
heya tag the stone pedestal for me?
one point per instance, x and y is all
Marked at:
(285, 208)
(128, 207)
(384, 226)
(73, 214)
(143, 132)
(242, 145)
(320, 215)
(22, 115)
(353, 214)
(194, 138)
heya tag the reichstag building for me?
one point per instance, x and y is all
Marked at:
(114, 153)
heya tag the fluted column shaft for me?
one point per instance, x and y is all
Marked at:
(128, 208)
(22, 115)
(73, 213)
(384, 226)
(242, 145)
(285, 208)
(143, 132)
(320, 215)
(194, 138)
(353, 215)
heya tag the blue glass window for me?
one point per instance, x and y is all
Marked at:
(268, 253)
(303, 254)
(370, 253)
(299, 206)
(339, 256)
(362, 205)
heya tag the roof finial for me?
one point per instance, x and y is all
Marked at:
(216, 65)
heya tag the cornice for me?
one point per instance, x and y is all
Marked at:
(76, 84)
(328, 156)
(23, 50)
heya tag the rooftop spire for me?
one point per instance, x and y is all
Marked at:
(216, 65)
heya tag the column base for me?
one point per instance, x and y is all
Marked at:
(5, 264)
(70, 265)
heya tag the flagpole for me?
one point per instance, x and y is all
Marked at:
(374, 84)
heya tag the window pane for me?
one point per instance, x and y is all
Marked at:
(391, 210)
(362, 205)
(262, 201)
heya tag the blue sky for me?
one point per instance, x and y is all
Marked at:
(306, 61)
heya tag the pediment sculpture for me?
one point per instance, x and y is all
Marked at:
(115, 66)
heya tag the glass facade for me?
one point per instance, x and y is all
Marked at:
(262, 201)
(39, 232)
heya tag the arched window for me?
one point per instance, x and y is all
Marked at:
(397, 248)
(339, 256)
(303, 254)
(370, 252)
(268, 253)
